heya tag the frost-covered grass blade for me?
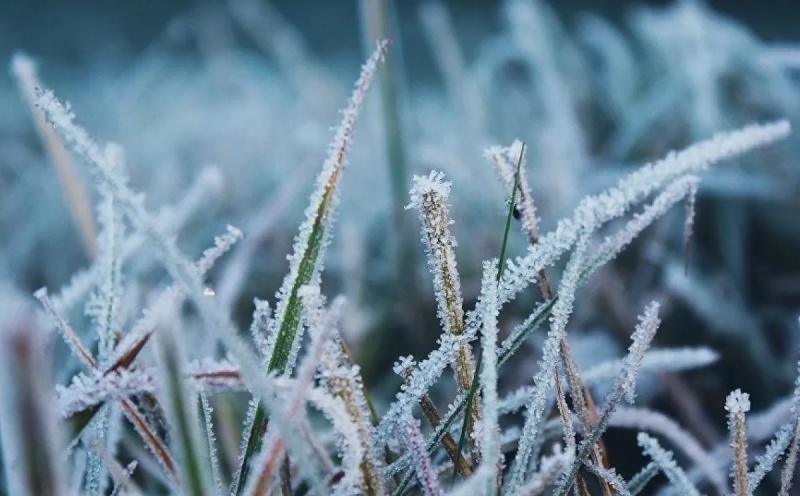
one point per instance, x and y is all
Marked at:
(181, 407)
(305, 264)
(129, 314)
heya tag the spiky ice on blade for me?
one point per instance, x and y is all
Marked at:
(430, 196)
(616, 201)
(543, 380)
(642, 337)
(305, 263)
(179, 267)
(666, 463)
(489, 426)
(737, 404)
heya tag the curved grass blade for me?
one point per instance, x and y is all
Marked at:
(640, 480)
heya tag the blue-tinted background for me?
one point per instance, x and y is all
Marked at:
(78, 32)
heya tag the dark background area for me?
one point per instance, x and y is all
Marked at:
(86, 33)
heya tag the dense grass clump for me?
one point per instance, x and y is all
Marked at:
(507, 390)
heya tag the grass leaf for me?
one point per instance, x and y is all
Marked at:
(181, 407)
(306, 262)
(476, 376)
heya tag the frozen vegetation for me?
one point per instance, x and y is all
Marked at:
(569, 268)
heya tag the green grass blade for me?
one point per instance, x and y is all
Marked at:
(474, 387)
(183, 416)
(377, 18)
(287, 330)
(540, 316)
(306, 262)
(511, 209)
(305, 272)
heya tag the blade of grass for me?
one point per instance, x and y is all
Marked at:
(428, 408)
(79, 421)
(376, 24)
(641, 479)
(474, 387)
(150, 438)
(121, 476)
(211, 441)
(77, 199)
(29, 435)
(511, 209)
(538, 317)
(514, 341)
(306, 262)
(182, 413)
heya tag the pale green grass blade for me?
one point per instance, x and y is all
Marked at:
(183, 415)
(306, 263)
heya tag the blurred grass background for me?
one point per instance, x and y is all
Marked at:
(86, 32)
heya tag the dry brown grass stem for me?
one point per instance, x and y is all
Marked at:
(80, 207)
